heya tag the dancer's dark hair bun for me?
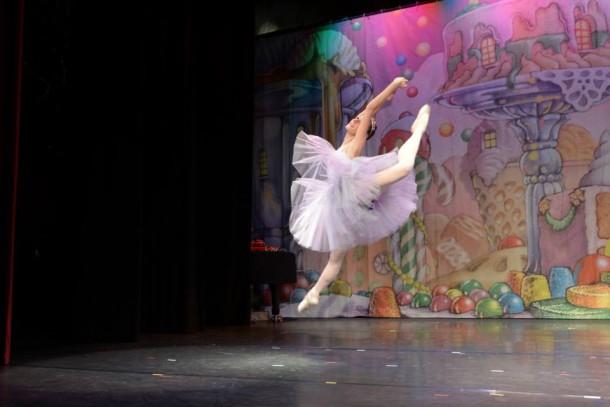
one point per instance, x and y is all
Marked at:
(371, 131)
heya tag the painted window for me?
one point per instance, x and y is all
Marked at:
(488, 51)
(490, 140)
(583, 34)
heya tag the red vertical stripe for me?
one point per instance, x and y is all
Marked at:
(13, 200)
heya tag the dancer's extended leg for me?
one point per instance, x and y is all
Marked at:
(408, 151)
(329, 274)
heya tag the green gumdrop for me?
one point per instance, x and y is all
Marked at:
(498, 289)
(467, 286)
(488, 308)
(421, 300)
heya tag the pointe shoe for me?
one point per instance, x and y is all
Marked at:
(421, 121)
(308, 301)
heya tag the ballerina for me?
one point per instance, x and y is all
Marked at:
(342, 199)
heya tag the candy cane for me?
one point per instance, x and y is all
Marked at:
(412, 243)
(443, 178)
(423, 176)
(407, 248)
(420, 245)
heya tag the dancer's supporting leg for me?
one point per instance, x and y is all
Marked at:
(407, 152)
(329, 274)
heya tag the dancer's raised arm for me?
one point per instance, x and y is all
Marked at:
(354, 145)
(377, 102)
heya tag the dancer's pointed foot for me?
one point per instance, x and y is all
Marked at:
(421, 121)
(309, 301)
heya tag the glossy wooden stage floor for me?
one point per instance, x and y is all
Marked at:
(328, 362)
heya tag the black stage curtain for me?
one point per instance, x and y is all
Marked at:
(197, 101)
(11, 40)
(134, 209)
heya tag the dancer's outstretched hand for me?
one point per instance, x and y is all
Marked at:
(400, 82)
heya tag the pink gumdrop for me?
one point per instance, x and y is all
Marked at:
(440, 303)
(439, 289)
(404, 298)
(479, 293)
(302, 282)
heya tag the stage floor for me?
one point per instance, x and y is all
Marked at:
(328, 362)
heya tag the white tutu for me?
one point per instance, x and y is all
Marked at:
(336, 203)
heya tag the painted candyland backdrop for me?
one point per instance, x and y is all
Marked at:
(513, 175)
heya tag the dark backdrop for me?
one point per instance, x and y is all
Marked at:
(133, 209)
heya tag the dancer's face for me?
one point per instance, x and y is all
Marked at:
(353, 125)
